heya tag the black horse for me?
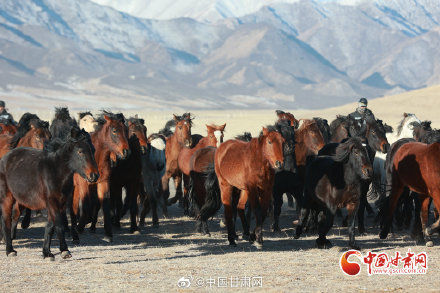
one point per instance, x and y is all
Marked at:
(55, 166)
(332, 182)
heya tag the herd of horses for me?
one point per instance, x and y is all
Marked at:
(77, 168)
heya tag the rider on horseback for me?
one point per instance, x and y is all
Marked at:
(4, 115)
(362, 113)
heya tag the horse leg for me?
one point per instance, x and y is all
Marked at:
(417, 231)
(59, 226)
(226, 191)
(73, 225)
(396, 191)
(361, 210)
(424, 219)
(165, 183)
(241, 213)
(179, 193)
(115, 204)
(303, 216)
(352, 208)
(26, 221)
(434, 227)
(48, 233)
(7, 206)
(132, 192)
(185, 195)
(17, 209)
(325, 222)
(104, 199)
(277, 203)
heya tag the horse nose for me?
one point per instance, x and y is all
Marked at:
(188, 143)
(126, 153)
(278, 165)
(367, 172)
(144, 150)
(93, 177)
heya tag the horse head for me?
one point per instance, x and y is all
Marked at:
(272, 147)
(215, 134)
(352, 152)
(87, 122)
(136, 126)
(183, 129)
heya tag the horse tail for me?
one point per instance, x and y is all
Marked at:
(213, 200)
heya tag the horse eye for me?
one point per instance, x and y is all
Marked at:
(80, 152)
(269, 142)
(114, 130)
(180, 127)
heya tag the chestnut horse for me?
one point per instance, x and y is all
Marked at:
(111, 143)
(414, 165)
(174, 144)
(31, 132)
(248, 167)
(37, 179)
(127, 173)
(213, 138)
(7, 127)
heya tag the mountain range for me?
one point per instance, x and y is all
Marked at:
(223, 54)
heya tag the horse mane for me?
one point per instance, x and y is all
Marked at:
(81, 115)
(431, 136)
(101, 120)
(155, 136)
(247, 136)
(62, 114)
(135, 120)
(343, 150)
(24, 125)
(57, 143)
(338, 121)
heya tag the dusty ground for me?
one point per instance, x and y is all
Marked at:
(159, 257)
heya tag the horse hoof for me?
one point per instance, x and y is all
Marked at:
(49, 257)
(429, 243)
(12, 253)
(363, 234)
(428, 231)
(326, 244)
(276, 228)
(65, 254)
(383, 235)
(222, 224)
(258, 245)
(108, 239)
(252, 237)
(136, 232)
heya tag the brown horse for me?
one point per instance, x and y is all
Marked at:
(414, 165)
(110, 142)
(174, 144)
(213, 138)
(248, 167)
(7, 127)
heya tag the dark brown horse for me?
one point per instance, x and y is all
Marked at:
(127, 174)
(414, 165)
(55, 167)
(246, 171)
(213, 138)
(287, 116)
(174, 144)
(334, 182)
(110, 143)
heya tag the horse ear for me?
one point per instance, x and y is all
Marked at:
(265, 131)
(222, 128)
(175, 118)
(279, 112)
(405, 114)
(209, 128)
(142, 121)
(107, 118)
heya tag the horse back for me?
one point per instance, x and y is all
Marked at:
(201, 159)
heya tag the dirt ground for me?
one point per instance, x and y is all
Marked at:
(157, 258)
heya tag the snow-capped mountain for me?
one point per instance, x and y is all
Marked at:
(218, 54)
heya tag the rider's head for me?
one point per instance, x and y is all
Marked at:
(362, 105)
(2, 106)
